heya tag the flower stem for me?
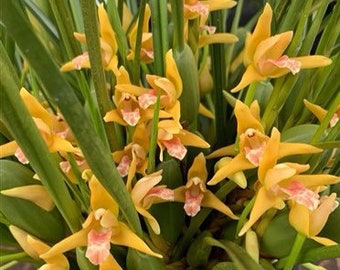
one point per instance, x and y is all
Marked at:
(294, 253)
(160, 44)
(218, 71)
(251, 93)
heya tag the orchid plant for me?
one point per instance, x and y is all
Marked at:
(156, 134)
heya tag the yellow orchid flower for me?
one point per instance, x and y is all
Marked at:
(108, 46)
(320, 112)
(169, 88)
(53, 129)
(145, 193)
(34, 248)
(172, 137)
(252, 144)
(101, 228)
(133, 158)
(264, 58)
(310, 222)
(146, 53)
(194, 8)
(195, 194)
(278, 183)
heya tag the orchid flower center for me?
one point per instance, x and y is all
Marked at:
(98, 246)
(255, 149)
(193, 200)
(175, 148)
(334, 120)
(123, 166)
(79, 60)
(285, 62)
(302, 195)
(147, 99)
(19, 154)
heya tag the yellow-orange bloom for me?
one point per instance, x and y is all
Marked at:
(264, 54)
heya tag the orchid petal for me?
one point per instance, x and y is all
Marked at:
(110, 264)
(98, 247)
(172, 73)
(106, 30)
(313, 61)
(324, 241)
(21, 237)
(191, 139)
(198, 168)
(100, 198)
(261, 32)
(316, 180)
(34, 193)
(224, 151)
(249, 76)
(288, 149)
(320, 215)
(317, 110)
(78, 239)
(125, 237)
(114, 116)
(210, 200)
(8, 149)
(238, 163)
(143, 186)
(263, 202)
(150, 219)
(299, 218)
(205, 40)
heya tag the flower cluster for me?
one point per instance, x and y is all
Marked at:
(166, 114)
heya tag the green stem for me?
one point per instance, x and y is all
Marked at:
(122, 43)
(159, 33)
(218, 73)
(12, 257)
(178, 20)
(138, 45)
(160, 45)
(250, 93)
(295, 252)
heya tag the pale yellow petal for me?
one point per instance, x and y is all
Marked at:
(219, 4)
(191, 139)
(110, 264)
(263, 202)
(288, 149)
(150, 219)
(56, 262)
(34, 193)
(246, 119)
(317, 110)
(106, 30)
(8, 149)
(210, 200)
(21, 237)
(198, 168)
(126, 237)
(249, 76)
(313, 61)
(299, 218)
(78, 239)
(316, 180)
(224, 151)
(143, 186)
(216, 38)
(320, 215)
(172, 73)
(261, 32)
(100, 198)
(35, 108)
(238, 163)
(324, 241)
(204, 111)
